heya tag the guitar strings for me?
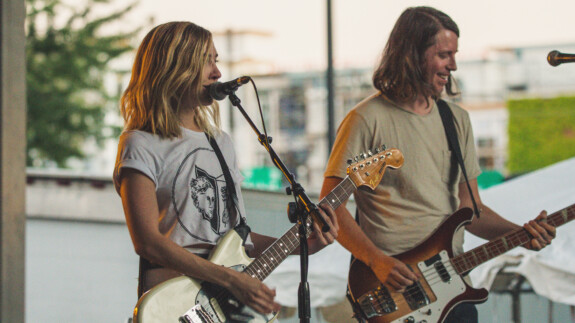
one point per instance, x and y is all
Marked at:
(432, 275)
(274, 253)
(465, 262)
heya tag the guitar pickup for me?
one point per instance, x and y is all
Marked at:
(437, 262)
(442, 271)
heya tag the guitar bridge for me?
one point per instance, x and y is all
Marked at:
(377, 302)
(195, 314)
(415, 296)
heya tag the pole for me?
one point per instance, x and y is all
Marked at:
(330, 82)
(12, 160)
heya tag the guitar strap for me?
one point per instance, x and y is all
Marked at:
(447, 118)
(232, 202)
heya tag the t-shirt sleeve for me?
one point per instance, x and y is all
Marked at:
(135, 152)
(353, 137)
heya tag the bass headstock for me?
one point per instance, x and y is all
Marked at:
(367, 170)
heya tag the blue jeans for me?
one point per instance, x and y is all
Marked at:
(463, 313)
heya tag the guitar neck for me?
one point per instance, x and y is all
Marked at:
(278, 251)
(475, 257)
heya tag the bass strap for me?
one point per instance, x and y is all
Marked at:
(447, 118)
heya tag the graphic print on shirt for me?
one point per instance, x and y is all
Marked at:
(201, 209)
(205, 195)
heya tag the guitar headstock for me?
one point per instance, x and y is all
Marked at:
(368, 169)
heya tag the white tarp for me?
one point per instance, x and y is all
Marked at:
(551, 272)
(327, 277)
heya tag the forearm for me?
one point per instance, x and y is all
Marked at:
(349, 234)
(387, 269)
(166, 253)
(490, 224)
(352, 237)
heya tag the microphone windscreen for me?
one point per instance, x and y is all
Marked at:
(215, 93)
(552, 58)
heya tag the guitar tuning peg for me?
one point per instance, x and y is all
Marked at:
(377, 150)
(362, 155)
(350, 161)
(383, 147)
(369, 153)
(356, 158)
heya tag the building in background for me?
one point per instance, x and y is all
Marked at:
(294, 109)
(294, 106)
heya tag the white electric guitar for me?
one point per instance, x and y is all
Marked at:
(184, 299)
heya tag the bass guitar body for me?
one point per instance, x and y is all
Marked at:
(428, 300)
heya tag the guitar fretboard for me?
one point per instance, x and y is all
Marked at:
(475, 257)
(278, 251)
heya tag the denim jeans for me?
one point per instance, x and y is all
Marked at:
(463, 313)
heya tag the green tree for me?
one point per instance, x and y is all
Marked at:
(66, 66)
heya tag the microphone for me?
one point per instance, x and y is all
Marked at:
(219, 91)
(555, 58)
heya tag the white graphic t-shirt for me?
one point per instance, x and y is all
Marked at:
(190, 185)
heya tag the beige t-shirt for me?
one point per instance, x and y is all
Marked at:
(410, 202)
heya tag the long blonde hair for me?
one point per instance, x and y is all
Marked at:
(168, 65)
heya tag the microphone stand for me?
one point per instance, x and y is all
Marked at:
(303, 208)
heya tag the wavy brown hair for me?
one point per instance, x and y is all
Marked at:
(168, 65)
(400, 75)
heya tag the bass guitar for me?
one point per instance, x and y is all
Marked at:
(441, 286)
(184, 299)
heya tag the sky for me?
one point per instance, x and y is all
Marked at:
(297, 28)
